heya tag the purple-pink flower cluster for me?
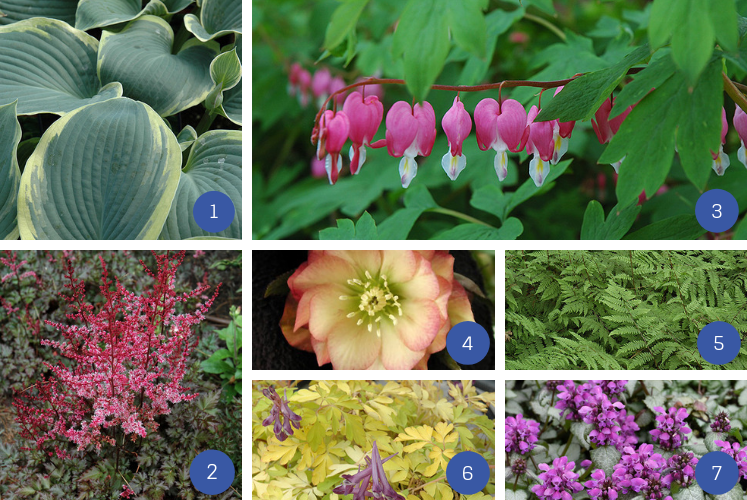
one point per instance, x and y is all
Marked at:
(721, 423)
(736, 452)
(681, 469)
(603, 414)
(559, 482)
(281, 416)
(521, 434)
(601, 487)
(637, 464)
(670, 428)
(571, 398)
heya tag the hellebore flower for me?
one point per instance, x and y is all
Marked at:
(740, 123)
(333, 132)
(606, 128)
(410, 132)
(558, 482)
(385, 309)
(721, 159)
(561, 137)
(457, 124)
(541, 144)
(501, 128)
(372, 475)
(365, 117)
(283, 417)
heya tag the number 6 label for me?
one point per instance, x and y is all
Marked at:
(212, 472)
(467, 342)
(467, 473)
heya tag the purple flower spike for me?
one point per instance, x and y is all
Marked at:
(604, 415)
(572, 398)
(521, 434)
(358, 484)
(283, 426)
(734, 451)
(601, 487)
(670, 428)
(681, 469)
(637, 464)
(559, 482)
(721, 423)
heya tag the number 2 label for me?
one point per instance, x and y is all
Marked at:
(215, 468)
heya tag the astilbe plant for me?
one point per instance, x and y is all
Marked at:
(125, 358)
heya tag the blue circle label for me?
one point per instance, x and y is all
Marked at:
(212, 472)
(467, 342)
(719, 343)
(716, 473)
(717, 210)
(213, 211)
(467, 472)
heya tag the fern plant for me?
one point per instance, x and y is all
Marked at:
(621, 309)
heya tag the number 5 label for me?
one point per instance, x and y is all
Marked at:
(719, 343)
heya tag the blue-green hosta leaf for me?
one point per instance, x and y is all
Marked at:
(225, 71)
(18, 10)
(105, 171)
(231, 107)
(10, 174)
(98, 13)
(140, 58)
(217, 18)
(214, 164)
(49, 67)
(186, 137)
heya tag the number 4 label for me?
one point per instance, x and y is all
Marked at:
(468, 343)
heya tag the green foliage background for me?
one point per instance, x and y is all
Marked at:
(616, 310)
(536, 40)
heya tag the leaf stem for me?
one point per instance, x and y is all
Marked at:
(731, 89)
(458, 215)
(426, 484)
(567, 445)
(205, 122)
(547, 24)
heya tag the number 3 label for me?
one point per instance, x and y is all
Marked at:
(718, 210)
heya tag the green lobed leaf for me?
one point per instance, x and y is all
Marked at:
(723, 14)
(699, 131)
(510, 230)
(140, 57)
(50, 67)
(468, 26)
(343, 21)
(364, 229)
(581, 98)
(217, 18)
(528, 189)
(10, 173)
(658, 71)
(680, 227)
(100, 13)
(19, 10)
(489, 198)
(398, 225)
(595, 227)
(105, 171)
(423, 37)
(214, 164)
(690, 26)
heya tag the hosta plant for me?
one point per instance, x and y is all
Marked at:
(115, 117)
(610, 439)
(613, 310)
(331, 440)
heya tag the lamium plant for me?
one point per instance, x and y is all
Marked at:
(146, 99)
(362, 439)
(627, 111)
(654, 434)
